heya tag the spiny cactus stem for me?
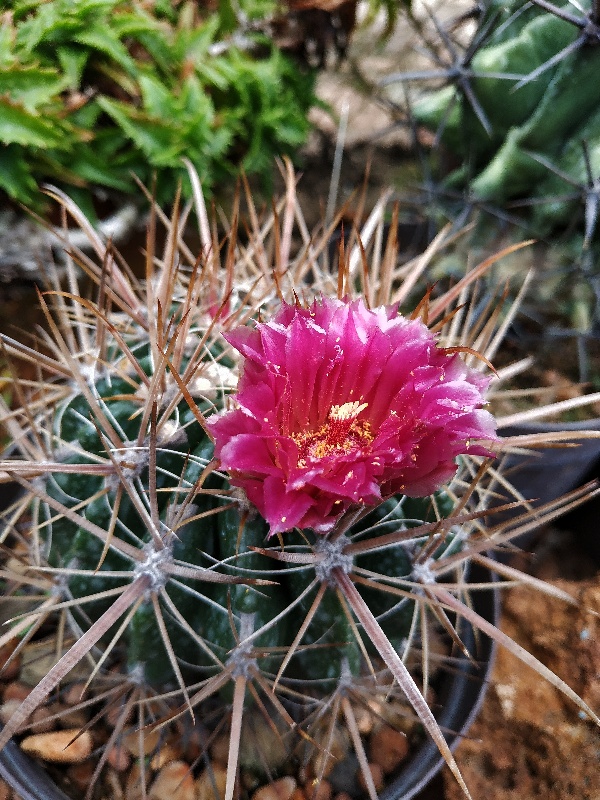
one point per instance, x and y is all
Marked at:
(240, 660)
(303, 628)
(397, 668)
(282, 614)
(169, 648)
(154, 568)
(84, 644)
(562, 14)
(125, 548)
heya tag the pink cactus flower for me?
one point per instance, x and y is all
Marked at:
(339, 405)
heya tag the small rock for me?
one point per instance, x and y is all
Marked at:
(40, 657)
(376, 774)
(81, 774)
(16, 691)
(335, 750)
(68, 717)
(113, 715)
(5, 791)
(133, 782)
(149, 742)
(364, 720)
(41, 720)
(318, 790)
(74, 693)
(55, 746)
(7, 709)
(119, 758)
(261, 746)
(174, 782)
(165, 754)
(211, 783)
(11, 671)
(219, 750)
(193, 742)
(283, 789)
(388, 748)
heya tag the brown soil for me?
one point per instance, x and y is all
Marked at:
(530, 742)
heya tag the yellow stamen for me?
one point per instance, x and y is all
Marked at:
(341, 433)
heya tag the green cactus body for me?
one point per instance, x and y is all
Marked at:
(543, 120)
(504, 106)
(561, 116)
(572, 162)
(73, 547)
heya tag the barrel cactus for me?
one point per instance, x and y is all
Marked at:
(243, 499)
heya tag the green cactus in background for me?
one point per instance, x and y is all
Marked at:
(524, 120)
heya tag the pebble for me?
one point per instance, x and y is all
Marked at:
(119, 758)
(7, 709)
(376, 774)
(174, 782)
(219, 750)
(150, 741)
(211, 783)
(318, 790)
(388, 748)
(133, 783)
(81, 774)
(15, 690)
(262, 746)
(55, 746)
(282, 789)
(113, 715)
(69, 717)
(40, 657)
(74, 694)
(336, 750)
(166, 753)
(364, 720)
(41, 717)
(12, 670)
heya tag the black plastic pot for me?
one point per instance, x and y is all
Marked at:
(26, 777)
(460, 696)
(550, 473)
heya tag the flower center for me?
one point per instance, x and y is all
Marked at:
(341, 433)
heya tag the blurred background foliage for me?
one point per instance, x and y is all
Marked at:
(94, 92)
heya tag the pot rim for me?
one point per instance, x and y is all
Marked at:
(461, 694)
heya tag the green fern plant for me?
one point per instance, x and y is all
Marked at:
(96, 92)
